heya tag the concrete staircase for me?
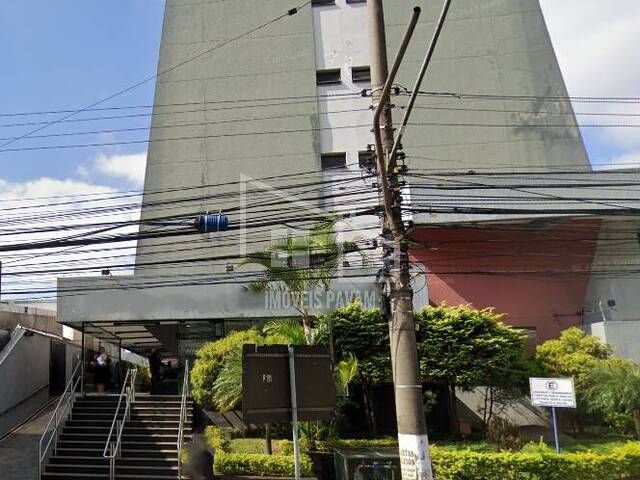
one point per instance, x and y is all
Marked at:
(149, 439)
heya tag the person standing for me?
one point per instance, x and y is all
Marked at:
(155, 367)
(102, 369)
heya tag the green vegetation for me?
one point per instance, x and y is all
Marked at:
(619, 464)
(458, 347)
(614, 389)
(608, 388)
(466, 348)
(237, 456)
(283, 262)
(574, 354)
(594, 460)
(210, 360)
(257, 464)
(362, 335)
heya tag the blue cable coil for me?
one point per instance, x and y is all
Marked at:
(209, 222)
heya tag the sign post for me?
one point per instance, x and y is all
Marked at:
(553, 393)
(282, 384)
(294, 412)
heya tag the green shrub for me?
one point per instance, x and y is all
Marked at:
(286, 446)
(210, 359)
(535, 462)
(622, 463)
(259, 464)
(218, 438)
(504, 434)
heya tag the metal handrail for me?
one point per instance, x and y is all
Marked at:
(129, 393)
(58, 415)
(183, 415)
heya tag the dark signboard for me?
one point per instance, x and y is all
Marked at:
(266, 387)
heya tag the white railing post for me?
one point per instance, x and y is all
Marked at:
(63, 410)
(112, 463)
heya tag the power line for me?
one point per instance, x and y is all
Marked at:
(290, 12)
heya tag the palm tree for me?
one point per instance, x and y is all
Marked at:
(227, 388)
(346, 372)
(614, 386)
(297, 265)
(289, 329)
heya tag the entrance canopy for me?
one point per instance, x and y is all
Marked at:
(174, 313)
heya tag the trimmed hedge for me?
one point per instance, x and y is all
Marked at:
(620, 464)
(260, 464)
(254, 464)
(286, 446)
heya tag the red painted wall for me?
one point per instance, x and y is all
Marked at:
(536, 274)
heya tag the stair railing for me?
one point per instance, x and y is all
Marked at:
(62, 410)
(113, 447)
(183, 415)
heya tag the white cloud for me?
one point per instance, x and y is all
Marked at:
(631, 160)
(595, 42)
(131, 167)
(34, 205)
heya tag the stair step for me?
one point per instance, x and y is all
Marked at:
(149, 441)
(130, 445)
(135, 453)
(80, 437)
(107, 423)
(128, 430)
(93, 476)
(122, 469)
(68, 460)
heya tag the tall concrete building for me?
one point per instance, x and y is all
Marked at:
(260, 115)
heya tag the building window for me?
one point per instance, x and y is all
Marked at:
(330, 161)
(366, 159)
(328, 77)
(320, 3)
(356, 1)
(361, 74)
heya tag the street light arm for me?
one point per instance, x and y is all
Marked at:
(416, 88)
(383, 101)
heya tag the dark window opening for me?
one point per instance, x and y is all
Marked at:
(367, 159)
(356, 1)
(328, 77)
(361, 74)
(329, 161)
(320, 3)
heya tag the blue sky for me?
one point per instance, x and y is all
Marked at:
(67, 54)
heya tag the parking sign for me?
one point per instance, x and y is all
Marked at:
(552, 392)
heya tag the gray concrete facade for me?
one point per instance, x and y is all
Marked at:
(230, 114)
(12, 315)
(232, 98)
(491, 49)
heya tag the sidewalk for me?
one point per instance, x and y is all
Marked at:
(19, 451)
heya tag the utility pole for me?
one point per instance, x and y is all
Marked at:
(415, 459)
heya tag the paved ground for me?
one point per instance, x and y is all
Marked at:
(19, 452)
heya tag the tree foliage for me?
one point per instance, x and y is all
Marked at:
(614, 388)
(210, 360)
(574, 354)
(346, 371)
(364, 334)
(466, 347)
(299, 264)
